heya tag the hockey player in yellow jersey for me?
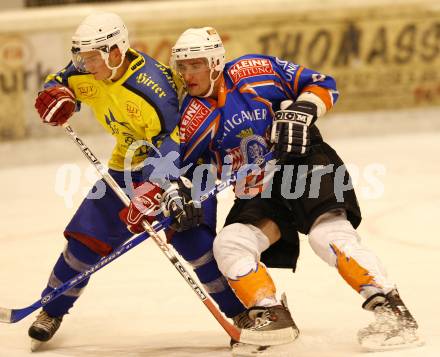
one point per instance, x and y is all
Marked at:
(135, 99)
(131, 95)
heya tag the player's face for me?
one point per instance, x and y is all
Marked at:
(196, 74)
(95, 64)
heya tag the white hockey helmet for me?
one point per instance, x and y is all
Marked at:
(100, 31)
(202, 42)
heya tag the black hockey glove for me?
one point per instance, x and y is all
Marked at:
(290, 128)
(178, 203)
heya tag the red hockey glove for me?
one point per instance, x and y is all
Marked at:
(55, 105)
(144, 205)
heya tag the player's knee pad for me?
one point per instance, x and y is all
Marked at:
(237, 249)
(332, 228)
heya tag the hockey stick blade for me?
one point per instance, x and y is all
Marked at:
(15, 315)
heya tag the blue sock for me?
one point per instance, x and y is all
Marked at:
(76, 258)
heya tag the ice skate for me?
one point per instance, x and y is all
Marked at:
(43, 329)
(241, 321)
(277, 329)
(394, 327)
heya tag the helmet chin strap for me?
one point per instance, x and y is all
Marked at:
(212, 81)
(113, 69)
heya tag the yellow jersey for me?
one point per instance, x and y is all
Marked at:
(141, 105)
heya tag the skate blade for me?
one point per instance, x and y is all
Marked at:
(246, 350)
(269, 338)
(35, 345)
(378, 343)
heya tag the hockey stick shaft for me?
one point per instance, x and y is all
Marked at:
(15, 315)
(166, 249)
(8, 315)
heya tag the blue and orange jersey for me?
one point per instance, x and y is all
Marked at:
(142, 105)
(238, 124)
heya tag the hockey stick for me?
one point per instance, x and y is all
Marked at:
(14, 315)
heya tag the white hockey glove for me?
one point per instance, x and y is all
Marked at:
(177, 202)
(290, 128)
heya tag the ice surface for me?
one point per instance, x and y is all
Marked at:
(140, 306)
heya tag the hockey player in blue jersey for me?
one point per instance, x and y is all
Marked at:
(134, 98)
(235, 113)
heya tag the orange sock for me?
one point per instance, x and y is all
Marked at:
(353, 273)
(254, 286)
